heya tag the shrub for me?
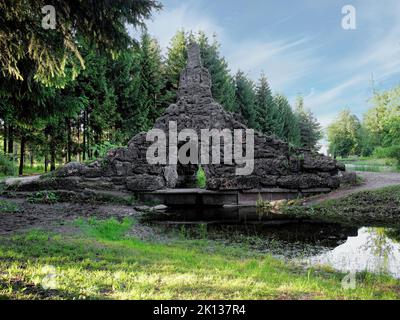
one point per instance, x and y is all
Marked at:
(7, 166)
(47, 197)
(388, 152)
(8, 206)
(201, 178)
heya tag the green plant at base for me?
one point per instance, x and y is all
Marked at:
(201, 178)
(7, 166)
(8, 206)
(263, 207)
(43, 197)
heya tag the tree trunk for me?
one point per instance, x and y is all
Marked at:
(69, 140)
(84, 136)
(52, 154)
(10, 139)
(79, 140)
(5, 138)
(46, 162)
(22, 155)
(31, 159)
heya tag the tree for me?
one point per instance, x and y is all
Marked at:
(285, 122)
(382, 120)
(344, 135)
(151, 78)
(223, 86)
(264, 105)
(175, 62)
(245, 99)
(34, 61)
(310, 129)
(50, 52)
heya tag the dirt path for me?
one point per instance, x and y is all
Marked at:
(31, 215)
(372, 180)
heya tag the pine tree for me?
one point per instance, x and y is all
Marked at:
(152, 81)
(175, 62)
(310, 129)
(223, 86)
(245, 99)
(265, 107)
(51, 52)
(285, 122)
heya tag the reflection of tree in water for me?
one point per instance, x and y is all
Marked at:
(381, 245)
(393, 234)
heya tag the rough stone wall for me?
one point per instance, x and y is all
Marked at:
(275, 164)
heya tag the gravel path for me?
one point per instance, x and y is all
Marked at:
(372, 180)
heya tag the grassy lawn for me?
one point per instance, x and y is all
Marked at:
(98, 260)
(379, 207)
(370, 164)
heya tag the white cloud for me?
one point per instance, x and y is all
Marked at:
(283, 61)
(322, 99)
(166, 23)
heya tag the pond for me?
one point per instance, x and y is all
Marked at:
(308, 242)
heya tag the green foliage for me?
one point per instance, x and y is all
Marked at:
(266, 110)
(263, 207)
(100, 150)
(344, 135)
(223, 86)
(285, 122)
(245, 99)
(388, 152)
(47, 197)
(52, 52)
(378, 134)
(7, 166)
(381, 205)
(110, 229)
(201, 179)
(8, 207)
(309, 128)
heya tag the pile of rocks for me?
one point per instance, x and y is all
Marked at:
(276, 165)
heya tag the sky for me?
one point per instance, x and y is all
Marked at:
(300, 45)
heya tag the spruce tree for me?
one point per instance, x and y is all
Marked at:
(265, 107)
(245, 99)
(223, 87)
(152, 81)
(310, 129)
(285, 122)
(175, 62)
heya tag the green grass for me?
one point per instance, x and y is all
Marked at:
(100, 261)
(371, 164)
(8, 207)
(43, 197)
(373, 207)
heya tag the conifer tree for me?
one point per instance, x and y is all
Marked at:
(265, 107)
(310, 129)
(223, 86)
(245, 99)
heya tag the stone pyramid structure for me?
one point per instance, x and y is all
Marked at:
(127, 169)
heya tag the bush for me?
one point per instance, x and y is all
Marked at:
(7, 166)
(201, 178)
(47, 197)
(388, 152)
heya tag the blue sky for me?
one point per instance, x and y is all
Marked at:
(300, 45)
